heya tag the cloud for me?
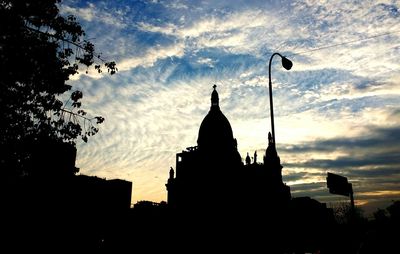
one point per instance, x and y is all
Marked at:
(337, 109)
(370, 162)
(175, 5)
(207, 61)
(96, 13)
(151, 56)
(382, 138)
(236, 31)
(338, 22)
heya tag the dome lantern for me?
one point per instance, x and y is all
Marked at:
(214, 97)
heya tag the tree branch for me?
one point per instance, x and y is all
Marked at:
(63, 39)
(54, 36)
(76, 114)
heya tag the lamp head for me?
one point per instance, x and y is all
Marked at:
(286, 63)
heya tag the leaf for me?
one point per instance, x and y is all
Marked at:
(99, 119)
(76, 95)
(81, 112)
(76, 104)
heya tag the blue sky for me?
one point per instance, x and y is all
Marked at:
(337, 110)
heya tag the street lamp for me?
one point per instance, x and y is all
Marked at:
(287, 64)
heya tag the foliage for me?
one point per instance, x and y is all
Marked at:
(145, 204)
(344, 214)
(39, 51)
(381, 216)
(390, 214)
(394, 210)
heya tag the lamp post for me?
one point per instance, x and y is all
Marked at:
(287, 64)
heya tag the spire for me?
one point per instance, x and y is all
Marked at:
(270, 139)
(271, 155)
(248, 160)
(214, 97)
(255, 157)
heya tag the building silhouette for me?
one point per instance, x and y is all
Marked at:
(52, 208)
(212, 189)
(212, 177)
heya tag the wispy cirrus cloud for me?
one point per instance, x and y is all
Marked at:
(98, 13)
(151, 56)
(335, 110)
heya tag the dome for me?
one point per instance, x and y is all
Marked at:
(215, 131)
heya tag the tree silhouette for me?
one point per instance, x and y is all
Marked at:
(344, 214)
(39, 51)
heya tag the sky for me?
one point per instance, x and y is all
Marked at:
(337, 110)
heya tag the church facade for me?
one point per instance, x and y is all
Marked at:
(211, 176)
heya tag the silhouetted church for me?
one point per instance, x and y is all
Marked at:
(212, 177)
(213, 191)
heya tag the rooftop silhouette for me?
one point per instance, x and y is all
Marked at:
(215, 201)
(212, 184)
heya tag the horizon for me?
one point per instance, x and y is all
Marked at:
(337, 110)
